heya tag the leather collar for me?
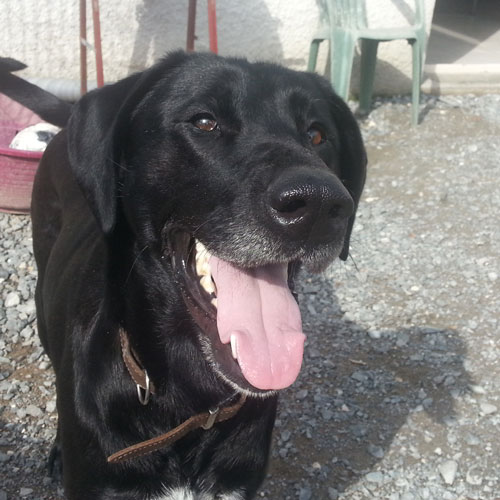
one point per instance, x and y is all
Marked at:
(204, 420)
(139, 375)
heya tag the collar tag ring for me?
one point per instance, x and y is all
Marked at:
(144, 393)
(212, 415)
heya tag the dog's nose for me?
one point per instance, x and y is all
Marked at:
(309, 204)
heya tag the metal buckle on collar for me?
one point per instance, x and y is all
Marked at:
(143, 394)
(212, 415)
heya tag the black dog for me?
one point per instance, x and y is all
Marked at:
(169, 220)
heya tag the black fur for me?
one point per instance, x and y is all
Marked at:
(130, 169)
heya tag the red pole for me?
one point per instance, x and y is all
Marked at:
(97, 43)
(212, 26)
(83, 47)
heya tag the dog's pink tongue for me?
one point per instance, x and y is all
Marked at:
(256, 306)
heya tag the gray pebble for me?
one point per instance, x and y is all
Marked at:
(359, 430)
(407, 496)
(473, 477)
(34, 411)
(487, 408)
(305, 493)
(448, 471)
(326, 414)
(472, 440)
(375, 477)
(302, 394)
(50, 407)
(359, 376)
(375, 451)
(12, 299)
(374, 334)
(333, 494)
(477, 389)
(43, 365)
(402, 339)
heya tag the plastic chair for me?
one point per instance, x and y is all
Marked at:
(343, 23)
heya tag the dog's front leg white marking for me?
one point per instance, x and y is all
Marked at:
(231, 496)
(186, 494)
(178, 494)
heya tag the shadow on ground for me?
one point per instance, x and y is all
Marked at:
(377, 383)
(370, 384)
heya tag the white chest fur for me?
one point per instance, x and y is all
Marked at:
(185, 494)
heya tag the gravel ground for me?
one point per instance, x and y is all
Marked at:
(399, 396)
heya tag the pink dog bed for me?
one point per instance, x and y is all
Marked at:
(17, 168)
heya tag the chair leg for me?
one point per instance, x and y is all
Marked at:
(417, 57)
(367, 76)
(83, 47)
(97, 43)
(191, 26)
(212, 26)
(341, 56)
(313, 55)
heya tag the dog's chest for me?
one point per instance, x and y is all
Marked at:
(187, 494)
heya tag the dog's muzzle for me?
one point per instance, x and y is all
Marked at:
(305, 204)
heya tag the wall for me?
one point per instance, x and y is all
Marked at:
(45, 34)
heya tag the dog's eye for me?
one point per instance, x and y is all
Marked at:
(205, 122)
(316, 135)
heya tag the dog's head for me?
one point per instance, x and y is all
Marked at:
(232, 174)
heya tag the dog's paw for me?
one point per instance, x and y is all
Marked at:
(54, 463)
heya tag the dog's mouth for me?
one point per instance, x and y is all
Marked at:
(249, 319)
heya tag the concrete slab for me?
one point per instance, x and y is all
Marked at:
(463, 52)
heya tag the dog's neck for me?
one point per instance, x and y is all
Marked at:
(145, 388)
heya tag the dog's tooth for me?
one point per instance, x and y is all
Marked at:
(199, 266)
(207, 284)
(202, 258)
(204, 272)
(200, 247)
(202, 267)
(234, 346)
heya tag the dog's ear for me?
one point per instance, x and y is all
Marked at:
(352, 159)
(96, 131)
(352, 151)
(91, 147)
